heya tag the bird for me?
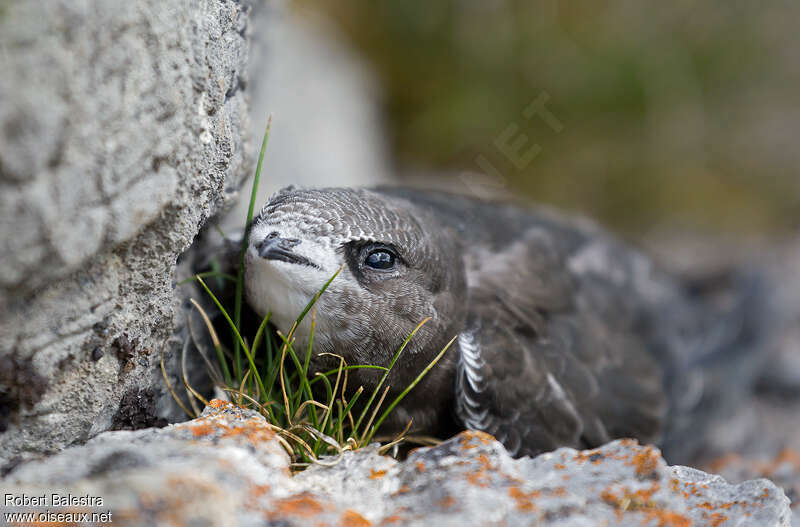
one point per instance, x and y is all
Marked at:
(565, 335)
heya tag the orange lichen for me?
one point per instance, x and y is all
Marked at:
(524, 499)
(613, 500)
(559, 466)
(200, 429)
(640, 501)
(303, 505)
(610, 498)
(253, 430)
(446, 503)
(351, 518)
(593, 456)
(469, 437)
(716, 519)
(395, 518)
(668, 519)
(420, 466)
(645, 462)
(376, 474)
(478, 478)
(483, 459)
(481, 477)
(596, 458)
(256, 492)
(644, 495)
(219, 403)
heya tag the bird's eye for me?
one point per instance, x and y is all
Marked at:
(381, 259)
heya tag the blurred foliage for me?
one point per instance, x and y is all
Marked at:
(677, 112)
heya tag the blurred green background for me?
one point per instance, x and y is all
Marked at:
(676, 114)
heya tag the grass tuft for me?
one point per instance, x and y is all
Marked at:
(273, 380)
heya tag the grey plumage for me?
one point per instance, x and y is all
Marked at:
(566, 336)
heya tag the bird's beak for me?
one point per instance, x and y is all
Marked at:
(281, 249)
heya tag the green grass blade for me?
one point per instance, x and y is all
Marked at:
(368, 426)
(271, 363)
(405, 392)
(237, 313)
(304, 385)
(238, 335)
(208, 274)
(304, 380)
(386, 374)
(224, 313)
(217, 346)
(259, 333)
(217, 268)
(312, 412)
(313, 301)
(348, 368)
(328, 388)
(341, 418)
(353, 400)
(310, 340)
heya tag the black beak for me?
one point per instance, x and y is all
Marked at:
(273, 247)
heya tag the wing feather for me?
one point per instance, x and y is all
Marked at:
(555, 355)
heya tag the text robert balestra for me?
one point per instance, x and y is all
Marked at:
(52, 500)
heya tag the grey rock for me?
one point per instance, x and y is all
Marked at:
(203, 472)
(471, 479)
(120, 134)
(775, 455)
(227, 468)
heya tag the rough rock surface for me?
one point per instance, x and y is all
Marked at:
(120, 134)
(227, 468)
(774, 455)
(783, 469)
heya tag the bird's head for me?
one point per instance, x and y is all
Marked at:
(397, 268)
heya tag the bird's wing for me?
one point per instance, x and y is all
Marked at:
(553, 352)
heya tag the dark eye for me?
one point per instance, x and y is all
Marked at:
(382, 259)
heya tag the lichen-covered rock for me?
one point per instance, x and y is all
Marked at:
(783, 469)
(227, 468)
(120, 134)
(472, 480)
(205, 471)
